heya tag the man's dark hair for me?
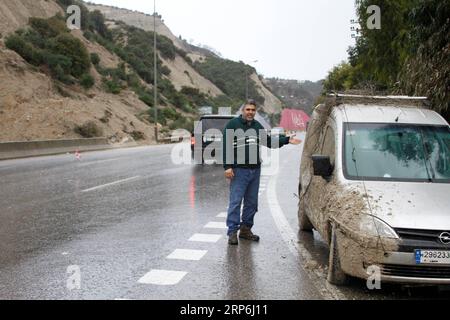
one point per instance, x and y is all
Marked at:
(251, 102)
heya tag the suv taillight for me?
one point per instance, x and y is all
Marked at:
(192, 141)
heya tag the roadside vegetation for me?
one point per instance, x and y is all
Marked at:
(410, 54)
(48, 45)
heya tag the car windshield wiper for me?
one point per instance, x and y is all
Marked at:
(426, 154)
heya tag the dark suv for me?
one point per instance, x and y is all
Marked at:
(215, 124)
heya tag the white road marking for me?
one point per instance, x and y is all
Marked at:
(216, 225)
(98, 161)
(185, 254)
(202, 237)
(162, 277)
(296, 248)
(110, 184)
(222, 215)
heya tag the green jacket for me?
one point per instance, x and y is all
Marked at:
(246, 136)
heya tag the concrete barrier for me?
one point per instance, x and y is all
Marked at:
(13, 150)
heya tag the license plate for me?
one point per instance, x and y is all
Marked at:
(432, 257)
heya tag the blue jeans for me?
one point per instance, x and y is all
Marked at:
(244, 186)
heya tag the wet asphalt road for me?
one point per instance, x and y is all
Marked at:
(102, 227)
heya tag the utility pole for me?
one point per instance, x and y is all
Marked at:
(246, 80)
(155, 74)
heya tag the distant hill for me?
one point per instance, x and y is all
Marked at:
(296, 94)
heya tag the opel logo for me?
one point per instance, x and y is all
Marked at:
(444, 237)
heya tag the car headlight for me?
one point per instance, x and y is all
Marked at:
(375, 227)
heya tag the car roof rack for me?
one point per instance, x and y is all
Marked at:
(387, 100)
(218, 116)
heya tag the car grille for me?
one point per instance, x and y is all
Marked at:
(412, 239)
(429, 272)
(421, 235)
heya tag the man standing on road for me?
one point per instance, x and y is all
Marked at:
(242, 138)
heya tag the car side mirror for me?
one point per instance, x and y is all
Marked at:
(322, 166)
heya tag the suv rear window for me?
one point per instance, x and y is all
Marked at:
(214, 123)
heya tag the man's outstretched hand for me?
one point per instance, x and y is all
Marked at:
(294, 141)
(229, 174)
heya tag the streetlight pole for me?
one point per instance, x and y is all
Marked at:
(155, 75)
(246, 80)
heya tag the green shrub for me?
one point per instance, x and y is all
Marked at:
(49, 28)
(73, 48)
(165, 70)
(25, 50)
(147, 99)
(170, 113)
(89, 130)
(194, 96)
(89, 35)
(87, 81)
(59, 66)
(66, 2)
(97, 23)
(112, 86)
(166, 47)
(95, 59)
(54, 60)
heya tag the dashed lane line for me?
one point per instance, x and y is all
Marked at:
(187, 254)
(216, 225)
(202, 237)
(110, 184)
(162, 277)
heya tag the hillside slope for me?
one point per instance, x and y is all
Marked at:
(14, 14)
(32, 107)
(183, 74)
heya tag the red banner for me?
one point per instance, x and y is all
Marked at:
(294, 120)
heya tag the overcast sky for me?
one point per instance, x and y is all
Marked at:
(291, 39)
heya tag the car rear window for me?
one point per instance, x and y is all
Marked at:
(214, 123)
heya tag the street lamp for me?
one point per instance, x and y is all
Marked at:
(246, 80)
(155, 75)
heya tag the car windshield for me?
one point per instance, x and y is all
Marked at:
(214, 123)
(397, 152)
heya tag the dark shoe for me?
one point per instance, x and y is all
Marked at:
(247, 234)
(233, 239)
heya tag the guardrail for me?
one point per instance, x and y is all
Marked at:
(24, 149)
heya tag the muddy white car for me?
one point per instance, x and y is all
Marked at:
(375, 184)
